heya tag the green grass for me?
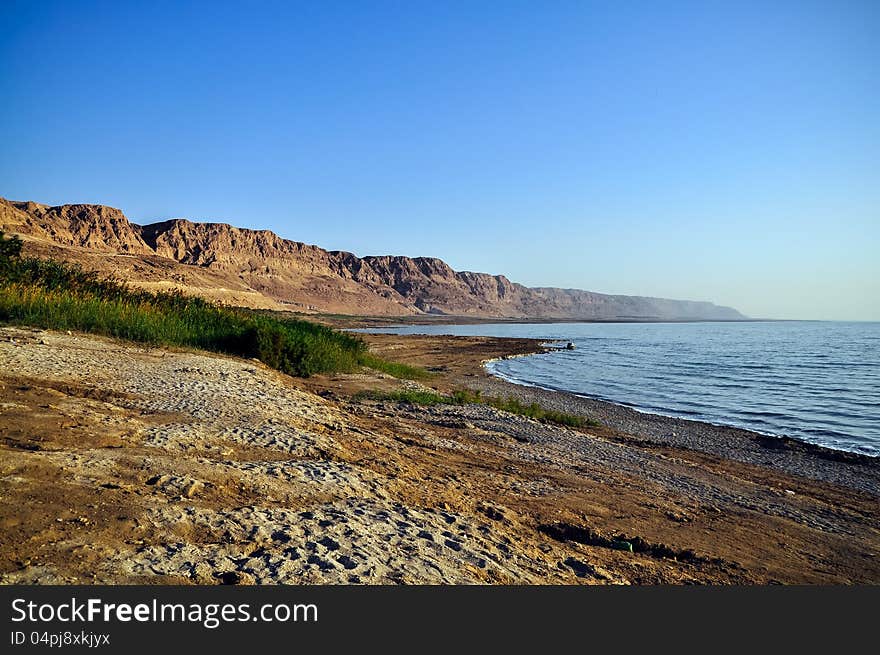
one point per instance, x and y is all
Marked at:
(467, 397)
(396, 369)
(59, 296)
(408, 396)
(535, 411)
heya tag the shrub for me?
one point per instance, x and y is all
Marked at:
(56, 295)
(10, 247)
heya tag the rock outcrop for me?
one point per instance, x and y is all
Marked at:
(259, 268)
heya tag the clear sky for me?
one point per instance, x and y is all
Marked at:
(724, 151)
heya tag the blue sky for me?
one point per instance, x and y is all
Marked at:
(724, 151)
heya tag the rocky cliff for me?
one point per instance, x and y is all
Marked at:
(259, 268)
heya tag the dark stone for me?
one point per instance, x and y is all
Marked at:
(229, 577)
(329, 543)
(580, 569)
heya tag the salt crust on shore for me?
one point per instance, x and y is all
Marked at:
(198, 425)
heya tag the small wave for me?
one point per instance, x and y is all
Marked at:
(777, 386)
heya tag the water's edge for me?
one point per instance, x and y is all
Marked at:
(811, 382)
(826, 452)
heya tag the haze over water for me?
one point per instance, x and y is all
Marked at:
(814, 381)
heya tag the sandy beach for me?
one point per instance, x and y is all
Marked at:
(125, 464)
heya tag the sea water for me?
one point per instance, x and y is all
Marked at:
(815, 381)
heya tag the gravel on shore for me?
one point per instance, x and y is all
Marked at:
(851, 470)
(126, 464)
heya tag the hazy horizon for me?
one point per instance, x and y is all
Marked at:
(728, 154)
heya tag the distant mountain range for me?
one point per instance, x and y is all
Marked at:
(258, 268)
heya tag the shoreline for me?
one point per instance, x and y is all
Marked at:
(856, 471)
(186, 467)
(852, 470)
(543, 346)
(826, 452)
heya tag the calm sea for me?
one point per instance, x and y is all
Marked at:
(814, 381)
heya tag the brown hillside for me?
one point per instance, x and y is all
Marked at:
(260, 269)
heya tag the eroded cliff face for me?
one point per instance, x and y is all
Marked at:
(96, 227)
(258, 268)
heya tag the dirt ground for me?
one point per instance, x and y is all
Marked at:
(123, 464)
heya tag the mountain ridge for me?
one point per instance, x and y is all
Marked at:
(261, 269)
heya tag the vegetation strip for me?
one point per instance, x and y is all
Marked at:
(53, 295)
(466, 397)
